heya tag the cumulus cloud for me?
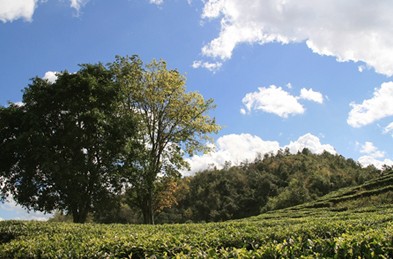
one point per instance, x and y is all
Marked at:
(234, 148)
(311, 95)
(274, 100)
(11, 10)
(310, 142)
(371, 110)
(373, 156)
(369, 148)
(328, 27)
(370, 160)
(50, 76)
(237, 148)
(211, 66)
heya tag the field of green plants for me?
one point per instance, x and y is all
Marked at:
(304, 233)
(354, 222)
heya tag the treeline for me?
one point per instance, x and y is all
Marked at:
(271, 182)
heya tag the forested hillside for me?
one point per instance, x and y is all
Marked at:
(270, 182)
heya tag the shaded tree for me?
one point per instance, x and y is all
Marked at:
(63, 148)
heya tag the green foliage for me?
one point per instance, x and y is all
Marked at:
(307, 233)
(76, 143)
(171, 122)
(64, 146)
(377, 191)
(271, 182)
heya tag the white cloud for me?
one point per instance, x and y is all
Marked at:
(388, 129)
(362, 68)
(373, 156)
(328, 27)
(50, 76)
(78, 4)
(310, 142)
(370, 160)
(311, 95)
(369, 148)
(11, 210)
(370, 110)
(211, 66)
(156, 2)
(273, 100)
(237, 148)
(11, 10)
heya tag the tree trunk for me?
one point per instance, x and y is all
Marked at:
(147, 210)
(79, 214)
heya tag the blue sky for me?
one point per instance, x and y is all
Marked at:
(284, 74)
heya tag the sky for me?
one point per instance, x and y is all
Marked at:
(283, 73)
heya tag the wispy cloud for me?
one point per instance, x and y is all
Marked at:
(78, 4)
(156, 2)
(388, 129)
(211, 66)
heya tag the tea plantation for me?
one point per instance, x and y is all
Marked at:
(352, 223)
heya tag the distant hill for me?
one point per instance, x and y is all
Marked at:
(270, 183)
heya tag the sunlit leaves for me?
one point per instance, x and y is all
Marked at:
(172, 122)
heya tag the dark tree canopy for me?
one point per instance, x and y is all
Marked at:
(63, 148)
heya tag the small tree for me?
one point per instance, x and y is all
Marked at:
(172, 122)
(64, 147)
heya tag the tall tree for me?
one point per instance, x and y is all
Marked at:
(172, 122)
(64, 147)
